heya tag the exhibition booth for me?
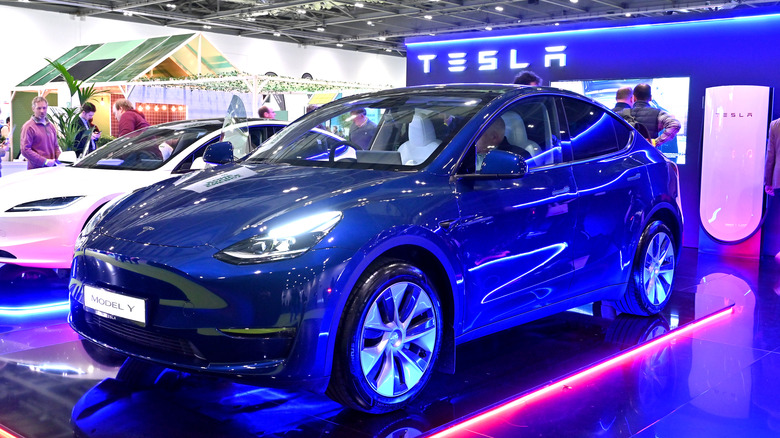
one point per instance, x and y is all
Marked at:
(704, 366)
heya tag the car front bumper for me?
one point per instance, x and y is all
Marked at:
(42, 239)
(266, 323)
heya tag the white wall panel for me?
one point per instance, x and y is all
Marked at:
(28, 36)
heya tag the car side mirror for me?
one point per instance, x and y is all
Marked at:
(219, 153)
(498, 162)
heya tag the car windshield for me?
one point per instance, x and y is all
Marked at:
(386, 132)
(146, 149)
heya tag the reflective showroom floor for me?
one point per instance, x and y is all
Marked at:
(718, 379)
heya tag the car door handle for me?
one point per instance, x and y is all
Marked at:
(562, 190)
(633, 177)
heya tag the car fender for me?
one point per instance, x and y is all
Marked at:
(379, 246)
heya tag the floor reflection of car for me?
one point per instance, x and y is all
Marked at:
(42, 211)
(359, 274)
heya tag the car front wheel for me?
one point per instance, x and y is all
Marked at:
(650, 285)
(388, 341)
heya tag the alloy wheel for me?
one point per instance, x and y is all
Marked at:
(397, 339)
(658, 269)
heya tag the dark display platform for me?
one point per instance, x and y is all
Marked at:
(716, 380)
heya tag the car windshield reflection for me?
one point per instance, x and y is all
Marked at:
(399, 132)
(146, 149)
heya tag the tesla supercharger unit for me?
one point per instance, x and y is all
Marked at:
(736, 120)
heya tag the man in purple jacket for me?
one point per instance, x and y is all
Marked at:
(39, 137)
(129, 119)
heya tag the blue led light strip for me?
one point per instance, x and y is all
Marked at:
(34, 310)
(597, 29)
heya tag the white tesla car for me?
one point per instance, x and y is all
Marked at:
(43, 210)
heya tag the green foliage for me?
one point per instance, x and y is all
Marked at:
(66, 118)
(63, 119)
(103, 140)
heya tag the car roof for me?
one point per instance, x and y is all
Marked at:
(213, 123)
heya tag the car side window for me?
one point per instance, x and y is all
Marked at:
(591, 129)
(528, 128)
(259, 134)
(186, 164)
(623, 134)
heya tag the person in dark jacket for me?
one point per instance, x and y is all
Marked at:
(87, 133)
(661, 125)
(129, 119)
(623, 98)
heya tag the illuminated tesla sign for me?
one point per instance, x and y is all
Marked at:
(488, 60)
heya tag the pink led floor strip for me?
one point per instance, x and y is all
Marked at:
(569, 381)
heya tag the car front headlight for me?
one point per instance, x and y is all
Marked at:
(45, 204)
(283, 242)
(96, 218)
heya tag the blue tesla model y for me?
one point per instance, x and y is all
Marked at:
(352, 252)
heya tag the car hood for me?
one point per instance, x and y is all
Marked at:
(53, 182)
(223, 206)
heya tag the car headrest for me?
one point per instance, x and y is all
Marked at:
(421, 131)
(515, 129)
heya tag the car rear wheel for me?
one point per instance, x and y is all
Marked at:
(388, 340)
(652, 278)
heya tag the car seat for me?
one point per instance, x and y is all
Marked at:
(422, 141)
(516, 135)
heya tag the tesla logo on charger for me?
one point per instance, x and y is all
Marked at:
(488, 60)
(733, 115)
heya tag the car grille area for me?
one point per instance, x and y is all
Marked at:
(140, 336)
(190, 348)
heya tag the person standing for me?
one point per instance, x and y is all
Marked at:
(772, 167)
(527, 77)
(624, 98)
(265, 112)
(362, 131)
(655, 120)
(39, 137)
(5, 146)
(86, 134)
(129, 119)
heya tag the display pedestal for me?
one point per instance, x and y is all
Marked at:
(750, 248)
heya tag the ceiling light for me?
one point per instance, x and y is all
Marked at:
(488, 28)
(250, 18)
(359, 4)
(574, 1)
(127, 14)
(339, 45)
(263, 13)
(277, 34)
(170, 6)
(382, 38)
(206, 26)
(428, 17)
(320, 29)
(370, 23)
(557, 24)
(388, 50)
(500, 8)
(432, 34)
(301, 11)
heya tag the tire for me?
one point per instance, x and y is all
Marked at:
(139, 374)
(631, 330)
(652, 276)
(388, 339)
